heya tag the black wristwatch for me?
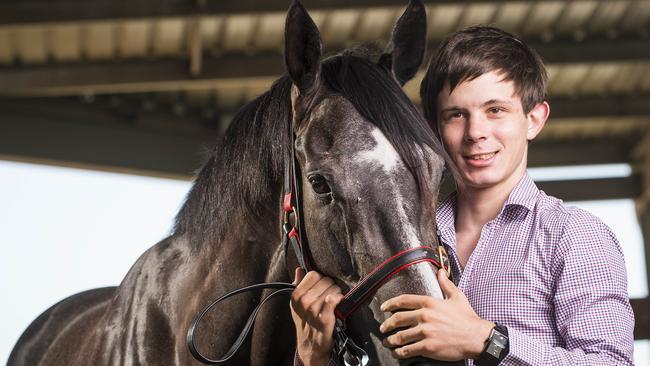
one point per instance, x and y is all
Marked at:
(496, 349)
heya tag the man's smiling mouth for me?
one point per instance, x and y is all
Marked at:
(485, 156)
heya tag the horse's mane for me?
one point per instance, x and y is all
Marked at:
(242, 172)
(243, 175)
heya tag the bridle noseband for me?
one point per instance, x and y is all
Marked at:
(292, 226)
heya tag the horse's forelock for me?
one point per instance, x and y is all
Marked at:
(377, 96)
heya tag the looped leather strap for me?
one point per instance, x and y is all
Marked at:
(280, 288)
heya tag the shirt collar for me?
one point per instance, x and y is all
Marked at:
(524, 194)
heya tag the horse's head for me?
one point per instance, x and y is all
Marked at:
(370, 165)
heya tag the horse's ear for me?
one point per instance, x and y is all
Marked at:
(405, 51)
(302, 48)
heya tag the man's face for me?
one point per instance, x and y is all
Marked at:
(486, 132)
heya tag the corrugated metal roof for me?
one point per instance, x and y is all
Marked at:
(56, 49)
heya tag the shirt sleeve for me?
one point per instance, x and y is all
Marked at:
(298, 362)
(593, 315)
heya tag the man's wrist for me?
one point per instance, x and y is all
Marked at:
(482, 337)
(311, 358)
(496, 348)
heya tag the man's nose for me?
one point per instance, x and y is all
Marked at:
(476, 128)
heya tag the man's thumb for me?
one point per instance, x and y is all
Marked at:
(448, 287)
(298, 276)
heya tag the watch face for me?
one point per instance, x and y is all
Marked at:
(497, 344)
(494, 349)
(499, 339)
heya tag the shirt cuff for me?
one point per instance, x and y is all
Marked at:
(524, 350)
(298, 362)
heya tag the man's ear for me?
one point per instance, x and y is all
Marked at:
(536, 119)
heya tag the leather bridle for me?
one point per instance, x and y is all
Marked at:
(293, 234)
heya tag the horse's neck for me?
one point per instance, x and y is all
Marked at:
(253, 251)
(249, 255)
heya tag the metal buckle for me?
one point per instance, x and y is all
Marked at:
(444, 259)
(346, 350)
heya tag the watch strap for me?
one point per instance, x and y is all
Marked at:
(496, 349)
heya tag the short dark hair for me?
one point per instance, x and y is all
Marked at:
(474, 51)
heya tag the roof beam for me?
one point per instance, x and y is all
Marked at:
(599, 106)
(592, 50)
(593, 189)
(71, 133)
(170, 74)
(136, 76)
(36, 11)
(580, 152)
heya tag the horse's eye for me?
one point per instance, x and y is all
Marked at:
(319, 185)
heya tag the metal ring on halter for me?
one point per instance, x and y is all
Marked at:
(345, 348)
(442, 255)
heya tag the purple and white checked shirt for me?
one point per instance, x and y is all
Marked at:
(553, 275)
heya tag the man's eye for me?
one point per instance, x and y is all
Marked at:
(495, 110)
(454, 116)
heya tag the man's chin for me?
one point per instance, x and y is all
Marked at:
(482, 181)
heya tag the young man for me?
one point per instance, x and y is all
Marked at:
(538, 283)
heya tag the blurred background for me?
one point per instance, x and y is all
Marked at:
(108, 107)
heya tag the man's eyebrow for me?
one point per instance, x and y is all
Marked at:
(452, 108)
(496, 101)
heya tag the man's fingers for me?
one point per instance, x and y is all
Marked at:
(327, 316)
(308, 298)
(310, 286)
(299, 274)
(316, 302)
(405, 336)
(399, 320)
(410, 350)
(407, 302)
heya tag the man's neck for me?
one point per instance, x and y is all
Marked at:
(477, 206)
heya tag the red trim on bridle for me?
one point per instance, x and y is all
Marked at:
(286, 205)
(352, 303)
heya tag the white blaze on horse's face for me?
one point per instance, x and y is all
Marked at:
(384, 155)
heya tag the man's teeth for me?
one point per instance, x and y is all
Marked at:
(481, 156)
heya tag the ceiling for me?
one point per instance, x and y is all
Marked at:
(162, 78)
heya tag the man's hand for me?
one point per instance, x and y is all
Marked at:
(445, 330)
(312, 309)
